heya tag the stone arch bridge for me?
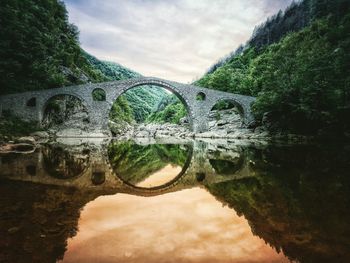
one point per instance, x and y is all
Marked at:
(31, 105)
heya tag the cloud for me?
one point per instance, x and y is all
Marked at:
(176, 40)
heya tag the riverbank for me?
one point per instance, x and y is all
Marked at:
(222, 124)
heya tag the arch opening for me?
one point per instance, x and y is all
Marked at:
(65, 112)
(98, 95)
(143, 108)
(201, 96)
(98, 178)
(31, 102)
(226, 115)
(31, 170)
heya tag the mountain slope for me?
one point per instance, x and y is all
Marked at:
(296, 16)
(302, 80)
(111, 70)
(39, 49)
(134, 105)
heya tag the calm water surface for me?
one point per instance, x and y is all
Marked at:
(195, 201)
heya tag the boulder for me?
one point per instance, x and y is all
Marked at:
(40, 134)
(141, 134)
(183, 121)
(17, 148)
(212, 134)
(69, 133)
(26, 139)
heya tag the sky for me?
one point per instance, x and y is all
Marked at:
(170, 39)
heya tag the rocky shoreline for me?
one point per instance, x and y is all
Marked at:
(223, 124)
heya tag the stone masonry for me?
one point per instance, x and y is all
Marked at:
(31, 105)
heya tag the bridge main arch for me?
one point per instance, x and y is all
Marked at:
(181, 94)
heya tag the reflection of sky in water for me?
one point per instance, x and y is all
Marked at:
(185, 226)
(161, 177)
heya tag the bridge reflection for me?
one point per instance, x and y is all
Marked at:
(120, 166)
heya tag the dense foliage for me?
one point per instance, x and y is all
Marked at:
(121, 111)
(170, 109)
(38, 47)
(143, 100)
(296, 16)
(12, 126)
(302, 81)
(111, 70)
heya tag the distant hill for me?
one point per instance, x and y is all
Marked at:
(142, 100)
(111, 70)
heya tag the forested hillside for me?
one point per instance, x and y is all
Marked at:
(170, 109)
(134, 105)
(296, 16)
(40, 49)
(300, 77)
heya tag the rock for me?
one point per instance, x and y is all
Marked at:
(69, 133)
(17, 148)
(183, 121)
(260, 135)
(72, 75)
(269, 120)
(222, 122)
(40, 134)
(26, 139)
(212, 134)
(142, 134)
(13, 230)
(259, 129)
(162, 133)
(121, 128)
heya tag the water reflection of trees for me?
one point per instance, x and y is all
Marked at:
(228, 166)
(62, 163)
(37, 220)
(298, 201)
(133, 163)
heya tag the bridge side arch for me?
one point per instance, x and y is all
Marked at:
(45, 102)
(242, 103)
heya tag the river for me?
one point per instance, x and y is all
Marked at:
(94, 200)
